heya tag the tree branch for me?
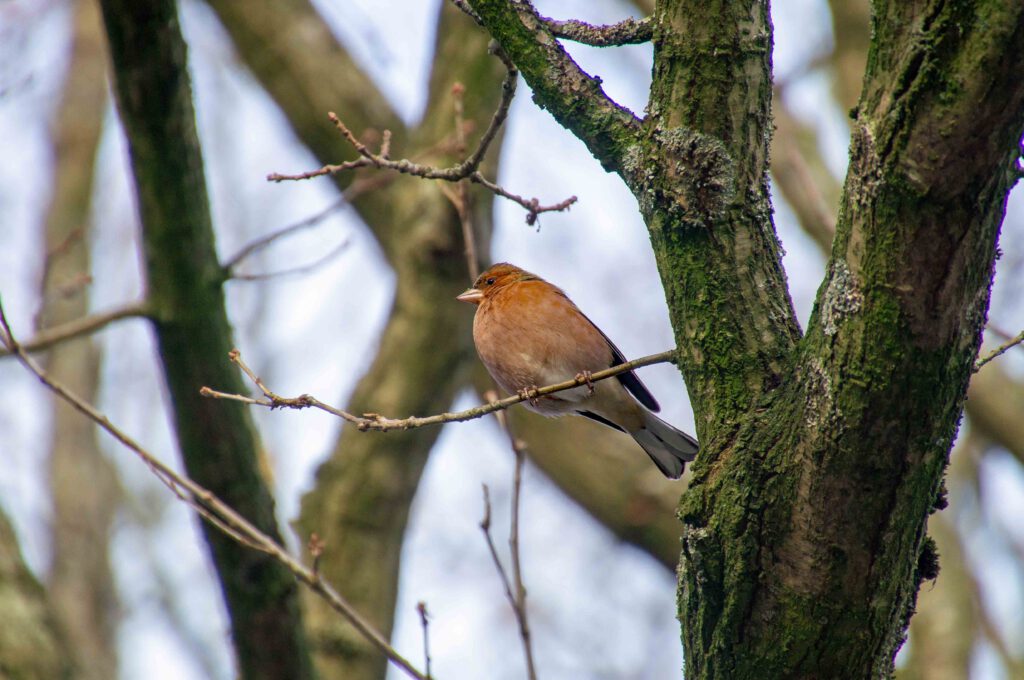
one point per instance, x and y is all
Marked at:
(218, 513)
(220, 448)
(575, 99)
(999, 351)
(375, 421)
(627, 32)
(48, 337)
(517, 598)
(466, 170)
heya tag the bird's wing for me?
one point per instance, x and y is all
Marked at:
(628, 379)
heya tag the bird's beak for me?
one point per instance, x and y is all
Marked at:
(473, 295)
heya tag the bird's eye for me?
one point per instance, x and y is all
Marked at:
(490, 281)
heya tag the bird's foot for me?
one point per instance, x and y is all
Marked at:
(529, 394)
(586, 377)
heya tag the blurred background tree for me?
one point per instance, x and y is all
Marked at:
(375, 328)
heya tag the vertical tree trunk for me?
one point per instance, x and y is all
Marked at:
(217, 439)
(822, 455)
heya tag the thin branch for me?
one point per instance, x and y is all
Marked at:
(421, 609)
(485, 526)
(49, 337)
(519, 601)
(459, 195)
(508, 93)
(360, 186)
(291, 271)
(999, 351)
(574, 98)
(212, 508)
(466, 170)
(627, 32)
(375, 421)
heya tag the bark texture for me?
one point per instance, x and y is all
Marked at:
(217, 439)
(84, 484)
(822, 455)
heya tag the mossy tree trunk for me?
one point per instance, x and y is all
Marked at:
(823, 453)
(185, 288)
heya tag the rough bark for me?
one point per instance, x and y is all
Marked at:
(83, 482)
(217, 439)
(822, 455)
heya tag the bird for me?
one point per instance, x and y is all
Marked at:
(528, 333)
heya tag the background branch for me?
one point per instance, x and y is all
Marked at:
(218, 513)
(46, 338)
(219, 446)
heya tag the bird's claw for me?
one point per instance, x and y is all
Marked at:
(529, 394)
(586, 377)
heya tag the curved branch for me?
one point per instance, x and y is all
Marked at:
(575, 99)
(464, 170)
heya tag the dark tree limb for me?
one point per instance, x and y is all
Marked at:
(218, 443)
(815, 573)
(821, 455)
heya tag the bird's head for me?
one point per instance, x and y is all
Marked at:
(494, 279)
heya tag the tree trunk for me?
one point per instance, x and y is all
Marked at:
(823, 455)
(217, 439)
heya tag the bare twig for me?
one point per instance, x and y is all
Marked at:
(628, 32)
(485, 526)
(519, 601)
(421, 609)
(359, 187)
(459, 195)
(999, 351)
(301, 269)
(49, 337)
(214, 510)
(316, 546)
(375, 421)
(466, 170)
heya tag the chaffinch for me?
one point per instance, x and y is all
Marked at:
(528, 333)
